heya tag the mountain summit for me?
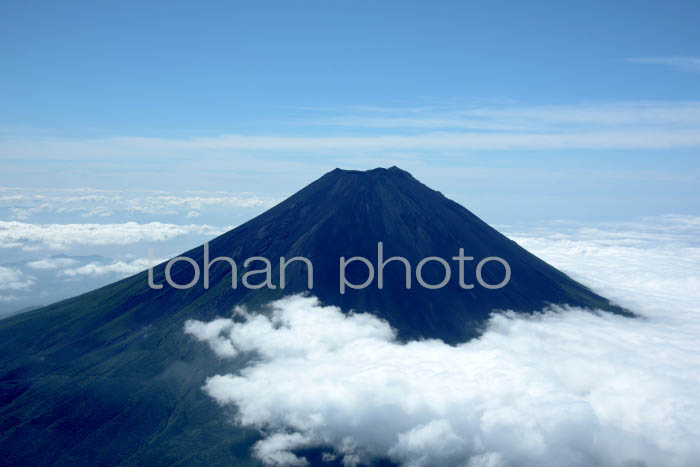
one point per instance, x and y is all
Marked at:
(346, 213)
(109, 378)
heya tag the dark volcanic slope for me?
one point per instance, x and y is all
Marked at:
(109, 377)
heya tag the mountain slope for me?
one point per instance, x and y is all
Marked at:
(109, 377)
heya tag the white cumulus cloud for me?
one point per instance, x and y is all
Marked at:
(14, 279)
(119, 267)
(51, 263)
(211, 332)
(565, 387)
(63, 236)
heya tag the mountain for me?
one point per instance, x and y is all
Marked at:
(21, 310)
(109, 377)
(53, 287)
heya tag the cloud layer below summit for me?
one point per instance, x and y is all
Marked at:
(563, 388)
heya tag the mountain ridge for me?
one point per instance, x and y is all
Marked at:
(109, 377)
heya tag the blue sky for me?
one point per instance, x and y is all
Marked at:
(178, 67)
(521, 112)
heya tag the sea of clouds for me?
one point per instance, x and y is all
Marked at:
(58, 243)
(565, 387)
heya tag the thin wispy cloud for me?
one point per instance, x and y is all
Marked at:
(15, 234)
(238, 144)
(515, 118)
(51, 263)
(116, 268)
(689, 64)
(608, 125)
(24, 204)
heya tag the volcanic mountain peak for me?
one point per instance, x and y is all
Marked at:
(346, 213)
(376, 171)
(391, 177)
(110, 378)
